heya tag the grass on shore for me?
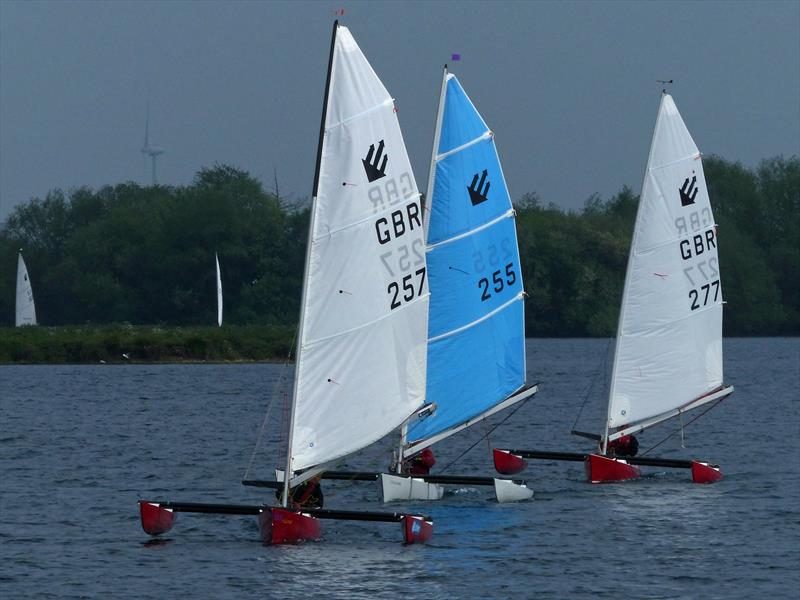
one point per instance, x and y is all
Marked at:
(109, 343)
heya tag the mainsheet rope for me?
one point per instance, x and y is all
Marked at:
(281, 381)
(602, 369)
(682, 426)
(487, 434)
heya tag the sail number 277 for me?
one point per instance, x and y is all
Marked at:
(704, 293)
(498, 283)
(410, 290)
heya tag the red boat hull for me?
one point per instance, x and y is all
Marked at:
(155, 520)
(416, 530)
(705, 472)
(506, 463)
(283, 526)
(602, 469)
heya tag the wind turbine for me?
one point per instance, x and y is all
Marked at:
(147, 149)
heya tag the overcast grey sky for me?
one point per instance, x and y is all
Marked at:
(568, 87)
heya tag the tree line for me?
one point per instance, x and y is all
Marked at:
(145, 255)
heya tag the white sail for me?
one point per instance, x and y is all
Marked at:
(219, 293)
(363, 326)
(669, 342)
(25, 311)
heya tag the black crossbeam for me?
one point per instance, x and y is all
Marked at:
(578, 457)
(249, 509)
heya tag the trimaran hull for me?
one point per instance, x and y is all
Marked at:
(607, 469)
(668, 355)
(289, 524)
(279, 525)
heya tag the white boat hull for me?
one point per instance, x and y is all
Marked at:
(508, 491)
(396, 488)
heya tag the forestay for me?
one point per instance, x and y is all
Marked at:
(669, 343)
(25, 309)
(361, 361)
(476, 348)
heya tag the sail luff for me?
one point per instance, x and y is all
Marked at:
(628, 269)
(301, 319)
(434, 152)
(427, 217)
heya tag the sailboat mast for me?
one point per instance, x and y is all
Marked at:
(625, 287)
(437, 131)
(287, 474)
(426, 220)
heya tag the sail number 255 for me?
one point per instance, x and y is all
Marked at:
(411, 288)
(498, 282)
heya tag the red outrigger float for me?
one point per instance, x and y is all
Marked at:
(280, 525)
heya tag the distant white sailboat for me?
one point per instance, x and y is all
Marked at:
(25, 308)
(219, 292)
(668, 357)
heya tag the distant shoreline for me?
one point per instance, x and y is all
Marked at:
(151, 344)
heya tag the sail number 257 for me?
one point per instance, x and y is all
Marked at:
(411, 288)
(498, 282)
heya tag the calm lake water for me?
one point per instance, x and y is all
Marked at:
(80, 444)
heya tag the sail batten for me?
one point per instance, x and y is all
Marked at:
(310, 343)
(447, 334)
(669, 340)
(654, 168)
(370, 218)
(476, 354)
(487, 135)
(510, 214)
(366, 113)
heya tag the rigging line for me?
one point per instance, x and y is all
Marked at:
(281, 380)
(682, 426)
(507, 417)
(601, 369)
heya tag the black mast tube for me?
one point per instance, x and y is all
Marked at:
(324, 109)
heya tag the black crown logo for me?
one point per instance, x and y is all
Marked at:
(689, 191)
(480, 193)
(371, 166)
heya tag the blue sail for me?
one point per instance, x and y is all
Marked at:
(476, 342)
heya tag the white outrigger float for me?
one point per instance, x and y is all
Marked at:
(668, 356)
(360, 367)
